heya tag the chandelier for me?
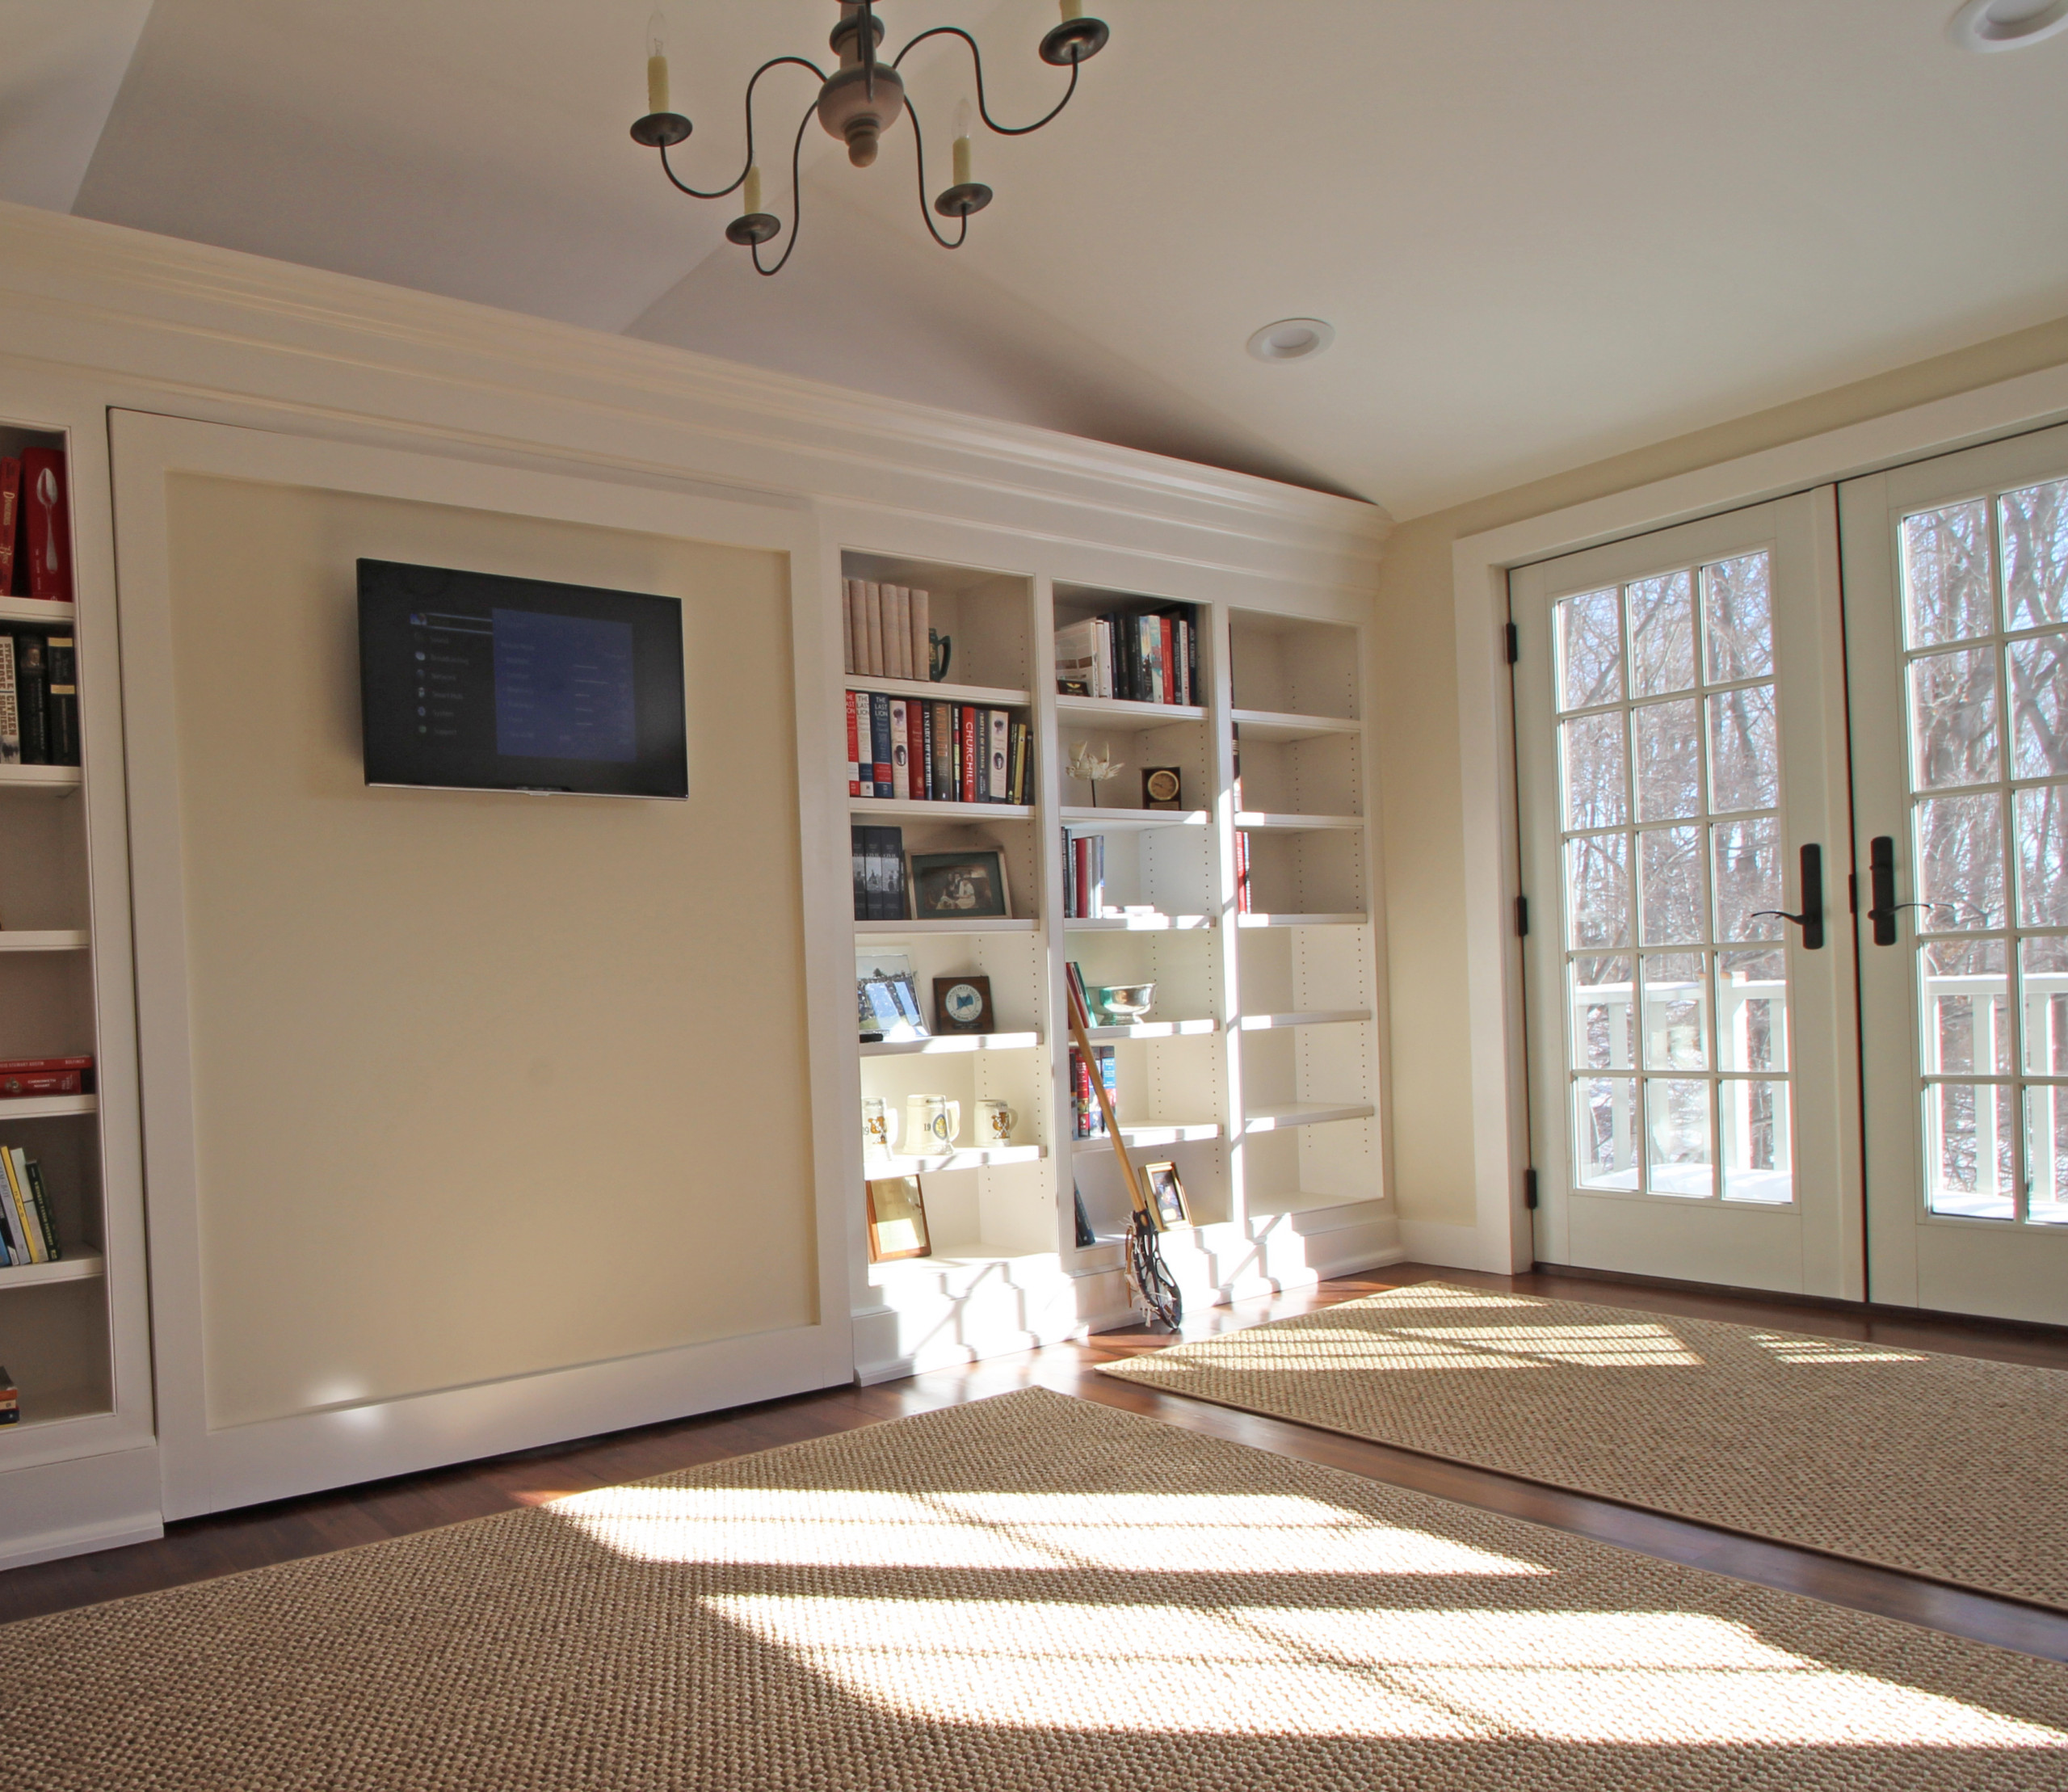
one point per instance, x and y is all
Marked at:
(856, 104)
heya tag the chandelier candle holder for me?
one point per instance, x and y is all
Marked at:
(855, 104)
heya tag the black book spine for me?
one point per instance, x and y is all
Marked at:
(879, 877)
(859, 840)
(893, 854)
(31, 697)
(61, 699)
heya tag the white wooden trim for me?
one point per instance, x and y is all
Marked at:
(1479, 566)
(205, 1469)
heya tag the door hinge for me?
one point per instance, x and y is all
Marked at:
(1514, 645)
(1522, 917)
(1529, 1189)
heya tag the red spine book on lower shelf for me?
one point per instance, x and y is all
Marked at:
(968, 718)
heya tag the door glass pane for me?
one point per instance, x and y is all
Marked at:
(1751, 1011)
(2042, 856)
(2046, 1154)
(2043, 991)
(1946, 575)
(1604, 1012)
(1966, 1009)
(1598, 891)
(1676, 1011)
(1590, 634)
(1747, 860)
(1605, 1131)
(1758, 1155)
(1669, 761)
(2039, 706)
(1971, 1144)
(1744, 756)
(1596, 790)
(1679, 1160)
(1661, 635)
(1953, 709)
(1670, 879)
(2035, 554)
(1960, 862)
(1738, 618)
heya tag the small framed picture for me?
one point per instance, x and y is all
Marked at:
(960, 886)
(1166, 1195)
(962, 1005)
(887, 997)
(898, 1220)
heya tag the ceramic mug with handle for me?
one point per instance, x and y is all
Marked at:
(879, 1125)
(932, 1125)
(995, 1121)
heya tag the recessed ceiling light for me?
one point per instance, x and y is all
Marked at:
(1299, 339)
(2007, 24)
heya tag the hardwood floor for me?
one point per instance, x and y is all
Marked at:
(199, 1549)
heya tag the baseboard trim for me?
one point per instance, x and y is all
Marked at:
(82, 1540)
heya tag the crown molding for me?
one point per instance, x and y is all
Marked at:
(124, 301)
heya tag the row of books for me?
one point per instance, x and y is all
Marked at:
(28, 1232)
(36, 526)
(1146, 659)
(879, 880)
(1087, 1118)
(39, 698)
(1084, 876)
(887, 631)
(26, 1078)
(911, 751)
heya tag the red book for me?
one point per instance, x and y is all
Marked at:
(969, 733)
(854, 750)
(46, 524)
(10, 499)
(28, 1083)
(1166, 684)
(9, 1066)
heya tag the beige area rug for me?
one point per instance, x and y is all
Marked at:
(1940, 1466)
(1027, 1594)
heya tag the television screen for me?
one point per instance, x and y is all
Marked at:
(474, 682)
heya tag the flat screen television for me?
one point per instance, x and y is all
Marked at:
(469, 681)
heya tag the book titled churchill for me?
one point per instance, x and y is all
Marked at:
(22, 1077)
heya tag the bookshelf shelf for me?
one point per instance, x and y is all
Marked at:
(1278, 728)
(1151, 1135)
(45, 939)
(1117, 715)
(1123, 821)
(890, 808)
(1304, 1113)
(1140, 924)
(951, 1043)
(971, 1158)
(48, 1107)
(1311, 1017)
(984, 697)
(78, 1266)
(1154, 1030)
(39, 610)
(913, 930)
(1346, 920)
(55, 780)
(1258, 820)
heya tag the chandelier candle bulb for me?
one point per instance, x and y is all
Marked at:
(753, 195)
(1072, 9)
(964, 122)
(657, 64)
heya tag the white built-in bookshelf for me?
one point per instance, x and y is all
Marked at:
(56, 1337)
(1256, 1071)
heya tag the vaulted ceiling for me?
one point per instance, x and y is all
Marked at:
(1545, 233)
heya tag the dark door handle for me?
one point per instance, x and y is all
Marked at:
(1811, 920)
(1883, 907)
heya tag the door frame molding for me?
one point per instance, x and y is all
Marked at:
(1501, 1236)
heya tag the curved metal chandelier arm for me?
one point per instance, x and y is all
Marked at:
(720, 192)
(797, 196)
(977, 56)
(920, 161)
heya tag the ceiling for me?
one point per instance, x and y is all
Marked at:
(1545, 233)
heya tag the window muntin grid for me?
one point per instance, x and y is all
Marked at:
(1671, 839)
(1985, 593)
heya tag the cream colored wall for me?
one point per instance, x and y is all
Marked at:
(485, 1084)
(1414, 674)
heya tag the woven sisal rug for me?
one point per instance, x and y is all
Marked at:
(1028, 1594)
(1941, 1466)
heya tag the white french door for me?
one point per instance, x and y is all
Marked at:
(1681, 762)
(1956, 617)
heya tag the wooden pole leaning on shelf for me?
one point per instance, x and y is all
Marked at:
(1152, 1280)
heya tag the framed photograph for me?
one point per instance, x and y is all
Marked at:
(1166, 1195)
(898, 1220)
(960, 886)
(963, 1004)
(887, 997)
